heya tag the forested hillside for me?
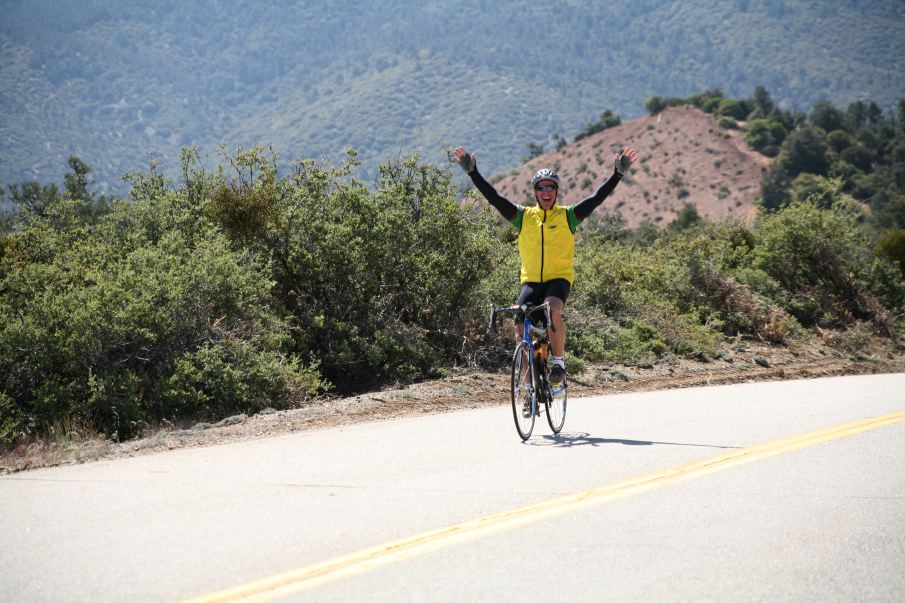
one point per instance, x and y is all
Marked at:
(120, 84)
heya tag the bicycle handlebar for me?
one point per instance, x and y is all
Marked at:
(524, 310)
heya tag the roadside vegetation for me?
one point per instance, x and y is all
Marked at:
(247, 287)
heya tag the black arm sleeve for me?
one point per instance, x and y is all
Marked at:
(586, 206)
(507, 208)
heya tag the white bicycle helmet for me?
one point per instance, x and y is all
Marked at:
(545, 174)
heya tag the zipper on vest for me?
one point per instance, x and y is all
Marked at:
(542, 224)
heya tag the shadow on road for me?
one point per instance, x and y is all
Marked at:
(567, 440)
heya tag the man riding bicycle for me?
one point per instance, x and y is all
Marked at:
(546, 240)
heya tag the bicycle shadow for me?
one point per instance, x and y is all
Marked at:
(569, 440)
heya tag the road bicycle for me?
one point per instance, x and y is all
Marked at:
(531, 385)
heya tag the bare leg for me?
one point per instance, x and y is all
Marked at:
(558, 333)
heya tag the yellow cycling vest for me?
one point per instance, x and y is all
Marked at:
(546, 243)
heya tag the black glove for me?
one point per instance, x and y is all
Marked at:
(467, 162)
(622, 164)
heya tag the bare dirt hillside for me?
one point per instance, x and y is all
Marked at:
(684, 157)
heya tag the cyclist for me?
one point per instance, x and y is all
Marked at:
(546, 240)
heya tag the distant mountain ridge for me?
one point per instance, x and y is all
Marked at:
(121, 84)
(684, 157)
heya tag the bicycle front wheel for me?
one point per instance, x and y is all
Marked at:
(524, 398)
(557, 396)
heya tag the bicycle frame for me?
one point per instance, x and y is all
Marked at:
(529, 329)
(528, 326)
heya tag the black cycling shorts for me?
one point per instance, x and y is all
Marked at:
(536, 293)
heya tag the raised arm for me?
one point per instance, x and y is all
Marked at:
(467, 162)
(584, 208)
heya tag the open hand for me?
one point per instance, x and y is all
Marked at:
(465, 160)
(625, 160)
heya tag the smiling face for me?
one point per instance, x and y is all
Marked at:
(545, 192)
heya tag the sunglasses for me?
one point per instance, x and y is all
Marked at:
(545, 187)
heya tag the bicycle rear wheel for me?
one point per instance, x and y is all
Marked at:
(524, 398)
(557, 396)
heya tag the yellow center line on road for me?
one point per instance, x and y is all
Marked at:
(315, 575)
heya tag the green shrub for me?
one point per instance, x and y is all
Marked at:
(11, 420)
(727, 123)
(718, 259)
(891, 246)
(733, 108)
(811, 188)
(687, 217)
(708, 100)
(650, 296)
(379, 283)
(839, 140)
(822, 258)
(100, 324)
(847, 172)
(655, 104)
(607, 120)
(765, 136)
(632, 342)
(807, 151)
(857, 156)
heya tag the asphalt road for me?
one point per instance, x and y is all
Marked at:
(730, 504)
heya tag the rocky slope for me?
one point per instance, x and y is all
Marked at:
(684, 157)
